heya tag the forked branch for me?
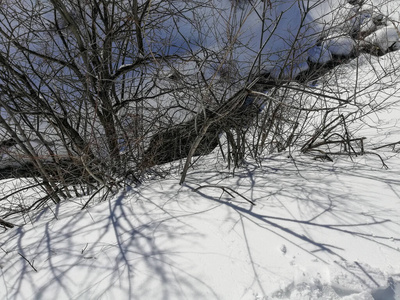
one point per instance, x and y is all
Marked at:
(226, 189)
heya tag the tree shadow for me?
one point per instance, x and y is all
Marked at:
(148, 243)
(113, 249)
(307, 202)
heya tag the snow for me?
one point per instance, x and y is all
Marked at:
(319, 54)
(289, 71)
(340, 45)
(319, 230)
(362, 21)
(337, 223)
(384, 37)
(290, 28)
(396, 46)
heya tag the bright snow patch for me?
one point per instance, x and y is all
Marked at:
(339, 45)
(384, 37)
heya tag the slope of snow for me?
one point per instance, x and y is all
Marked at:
(319, 54)
(283, 39)
(341, 45)
(384, 37)
(319, 230)
(280, 34)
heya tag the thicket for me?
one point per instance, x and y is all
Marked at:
(94, 94)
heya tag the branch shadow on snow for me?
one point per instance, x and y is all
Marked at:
(306, 206)
(113, 253)
(139, 247)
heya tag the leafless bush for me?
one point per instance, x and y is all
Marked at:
(93, 93)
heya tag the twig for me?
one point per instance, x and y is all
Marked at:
(351, 153)
(31, 264)
(387, 145)
(225, 189)
(83, 250)
(6, 224)
(263, 95)
(94, 194)
(344, 141)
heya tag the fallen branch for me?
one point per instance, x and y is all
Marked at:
(225, 189)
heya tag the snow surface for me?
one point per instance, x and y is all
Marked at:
(290, 71)
(319, 230)
(340, 45)
(289, 36)
(384, 37)
(319, 54)
(289, 29)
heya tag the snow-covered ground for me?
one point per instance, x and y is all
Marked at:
(318, 229)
